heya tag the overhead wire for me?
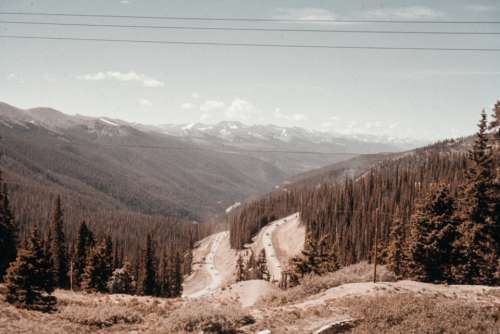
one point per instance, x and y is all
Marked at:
(264, 45)
(250, 19)
(364, 31)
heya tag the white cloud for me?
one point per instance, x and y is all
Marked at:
(14, 77)
(375, 128)
(187, 106)
(211, 105)
(195, 96)
(242, 110)
(307, 13)
(205, 117)
(145, 103)
(407, 13)
(122, 76)
(291, 118)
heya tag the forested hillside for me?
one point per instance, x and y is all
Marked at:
(110, 164)
(345, 214)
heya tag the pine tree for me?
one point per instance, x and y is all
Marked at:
(122, 281)
(177, 276)
(327, 257)
(495, 151)
(188, 262)
(165, 283)
(108, 255)
(305, 263)
(118, 256)
(240, 269)
(396, 256)
(495, 122)
(262, 272)
(432, 237)
(29, 280)
(479, 230)
(85, 242)
(8, 231)
(251, 267)
(317, 258)
(146, 283)
(58, 252)
(95, 278)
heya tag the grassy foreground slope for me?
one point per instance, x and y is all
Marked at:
(344, 302)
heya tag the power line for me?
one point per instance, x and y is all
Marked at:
(247, 19)
(251, 29)
(264, 45)
(421, 32)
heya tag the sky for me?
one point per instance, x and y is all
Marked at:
(424, 95)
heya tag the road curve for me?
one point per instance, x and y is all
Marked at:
(274, 265)
(209, 267)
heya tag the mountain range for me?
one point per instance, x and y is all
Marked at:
(191, 171)
(292, 149)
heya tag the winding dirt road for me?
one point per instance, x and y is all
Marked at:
(208, 267)
(274, 265)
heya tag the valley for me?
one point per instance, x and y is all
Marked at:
(203, 236)
(249, 167)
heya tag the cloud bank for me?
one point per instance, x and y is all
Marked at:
(123, 76)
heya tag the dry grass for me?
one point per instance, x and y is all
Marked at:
(397, 310)
(409, 313)
(205, 317)
(99, 313)
(89, 313)
(357, 273)
(101, 317)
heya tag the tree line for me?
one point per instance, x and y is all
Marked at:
(247, 221)
(455, 237)
(32, 268)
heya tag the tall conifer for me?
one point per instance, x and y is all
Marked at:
(240, 269)
(262, 272)
(479, 240)
(432, 237)
(85, 242)
(165, 283)
(95, 278)
(177, 276)
(8, 231)
(396, 256)
(29, 278)
(58, 251)
(108, 254)
(146, 284)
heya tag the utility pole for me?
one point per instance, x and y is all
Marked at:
(375, 251)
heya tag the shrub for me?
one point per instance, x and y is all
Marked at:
(101, 317)
(207, 318)
(408, 313)
(313, 284)
(121, 281)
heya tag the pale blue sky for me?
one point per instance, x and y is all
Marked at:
(425, 95)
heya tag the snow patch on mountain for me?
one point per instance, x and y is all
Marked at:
(108, 122)
(232, 207)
